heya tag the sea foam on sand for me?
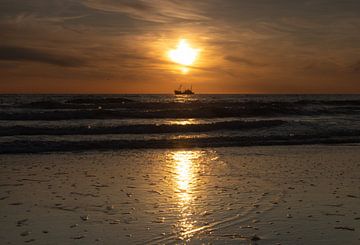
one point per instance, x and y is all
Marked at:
(264, 195)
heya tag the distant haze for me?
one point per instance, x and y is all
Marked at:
(120, 46)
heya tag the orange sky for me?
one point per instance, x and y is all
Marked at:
(108, 46)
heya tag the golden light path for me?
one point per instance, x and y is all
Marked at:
(184, 55)
(186, 167)
(183, 122)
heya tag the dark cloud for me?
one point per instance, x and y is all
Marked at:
(13, 53)
(244, 61)
(158, 11)
(356, 67)
(323, 66)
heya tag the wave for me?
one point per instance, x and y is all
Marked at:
(41, 123)
(33, 146)
(102, 107)
(146, 112)
(99, 100)
(140, 128)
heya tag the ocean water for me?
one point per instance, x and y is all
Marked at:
(48, 123)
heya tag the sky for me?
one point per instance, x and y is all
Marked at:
(121, 46)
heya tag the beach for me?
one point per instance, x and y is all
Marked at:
(203, 122)
(235, 195)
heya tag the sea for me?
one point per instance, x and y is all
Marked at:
(63, 123)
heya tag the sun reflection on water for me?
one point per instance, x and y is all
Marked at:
(186, 168)
(183, 122)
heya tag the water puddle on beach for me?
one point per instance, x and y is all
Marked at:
(207, 198)
(225, 195)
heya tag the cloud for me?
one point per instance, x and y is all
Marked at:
(323, 66)
(13, 53)
(355, 67)
(159, 11)
(243, 61)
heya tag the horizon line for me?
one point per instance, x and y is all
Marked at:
(318, 93)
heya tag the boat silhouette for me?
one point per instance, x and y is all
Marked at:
(186, 91)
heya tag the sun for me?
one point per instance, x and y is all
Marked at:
(184, 54)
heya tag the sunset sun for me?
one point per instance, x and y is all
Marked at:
(184, 54)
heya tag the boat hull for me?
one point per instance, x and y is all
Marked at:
(186, 92)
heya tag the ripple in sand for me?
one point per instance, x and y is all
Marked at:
(25, 233)
(159, 220)
(255, 238)
(78, 237)
(344, 228)
(16, 203)
(22, 222)
(84, 217)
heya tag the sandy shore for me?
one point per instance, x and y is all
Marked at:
(256, 195)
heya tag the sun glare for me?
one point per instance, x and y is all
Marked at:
(184, 54)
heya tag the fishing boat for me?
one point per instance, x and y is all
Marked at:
(186, 91)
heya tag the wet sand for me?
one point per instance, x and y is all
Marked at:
(254, 195)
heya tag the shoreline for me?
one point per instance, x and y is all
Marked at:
(27, 147)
